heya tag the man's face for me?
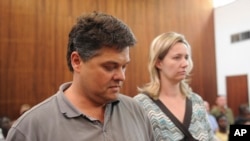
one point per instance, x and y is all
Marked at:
(221, 101)
(222, 122)
(101, 77)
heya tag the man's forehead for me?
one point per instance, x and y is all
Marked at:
(111, 55)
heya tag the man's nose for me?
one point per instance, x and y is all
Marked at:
(120, 74)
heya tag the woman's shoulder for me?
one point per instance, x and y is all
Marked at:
(195, 98)
(142, 97)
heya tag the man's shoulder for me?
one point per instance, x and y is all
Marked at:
(123, 96)
(128, 101)
(39, 111)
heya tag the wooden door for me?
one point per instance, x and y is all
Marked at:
(237, 91)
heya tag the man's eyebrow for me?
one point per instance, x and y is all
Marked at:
(115, 62)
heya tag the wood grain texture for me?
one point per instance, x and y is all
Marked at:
(34, 35)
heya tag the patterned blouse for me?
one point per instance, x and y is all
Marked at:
(165, 129)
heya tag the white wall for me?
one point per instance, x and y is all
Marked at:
(231, 58)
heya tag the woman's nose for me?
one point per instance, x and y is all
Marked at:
(185, 63)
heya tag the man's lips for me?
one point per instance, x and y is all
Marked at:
(115, 86)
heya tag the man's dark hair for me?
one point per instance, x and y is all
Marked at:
(96, 30)
(244, 109)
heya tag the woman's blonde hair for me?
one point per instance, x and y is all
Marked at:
(159, 48)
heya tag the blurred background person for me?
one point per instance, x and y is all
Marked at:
(244, 115)
(212, 120)
(5, 125)
(24, 108)
(223, 132)
(1, 133)
(222, 108)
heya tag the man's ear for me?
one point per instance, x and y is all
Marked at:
(76, 61)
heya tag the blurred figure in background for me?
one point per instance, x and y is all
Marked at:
(223, 132)
(212, 120)
(244, 115)
(24, 108)
(5, 125)
(222, 108)
(1, 133)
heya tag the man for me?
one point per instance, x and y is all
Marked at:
(244, 115)
(90, 107)
(222, 108)
(5, 124)
(222, 133)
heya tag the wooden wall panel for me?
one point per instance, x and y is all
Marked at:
(33, 41)
(237, 92)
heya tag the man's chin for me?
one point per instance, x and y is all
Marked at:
(113, 97)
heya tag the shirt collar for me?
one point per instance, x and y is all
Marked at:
(66, 106)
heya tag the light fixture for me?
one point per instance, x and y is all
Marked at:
(219, 3)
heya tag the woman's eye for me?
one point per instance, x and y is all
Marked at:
(177, 57)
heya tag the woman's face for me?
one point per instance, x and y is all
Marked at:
(173, 66)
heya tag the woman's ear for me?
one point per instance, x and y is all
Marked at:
(158, 64)
(76, 61)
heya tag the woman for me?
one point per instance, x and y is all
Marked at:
(170, 65)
